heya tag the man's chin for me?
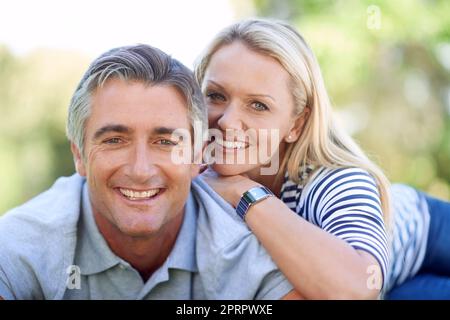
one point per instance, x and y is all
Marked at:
(144, 230)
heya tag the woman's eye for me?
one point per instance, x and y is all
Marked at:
(259, 106)
(214, 96)
(113, 141)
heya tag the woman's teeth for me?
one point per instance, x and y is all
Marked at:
(231, 144)
(138, 195)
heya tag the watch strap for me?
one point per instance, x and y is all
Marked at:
(251, 197)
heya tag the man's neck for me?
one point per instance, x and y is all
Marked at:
(145, 254)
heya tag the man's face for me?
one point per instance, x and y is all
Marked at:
(132, 181)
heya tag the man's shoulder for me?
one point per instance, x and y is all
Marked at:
(229, 254)
(38, 239)
(217, 219)
(55, 209)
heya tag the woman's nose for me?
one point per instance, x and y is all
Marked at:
(230, 119)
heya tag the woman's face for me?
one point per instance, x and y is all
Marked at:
(248, 90)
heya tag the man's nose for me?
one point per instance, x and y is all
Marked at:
(142, 165)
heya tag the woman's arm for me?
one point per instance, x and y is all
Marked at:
(318, 264)
(293, 295)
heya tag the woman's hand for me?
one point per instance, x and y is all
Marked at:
(230, 188)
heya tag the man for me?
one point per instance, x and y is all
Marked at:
(128, 225)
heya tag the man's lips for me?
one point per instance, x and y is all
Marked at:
(139, 195)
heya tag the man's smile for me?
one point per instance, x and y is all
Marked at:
(139, 195)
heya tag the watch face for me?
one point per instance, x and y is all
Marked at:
(255, 194)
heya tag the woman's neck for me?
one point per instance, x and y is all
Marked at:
(273, 182)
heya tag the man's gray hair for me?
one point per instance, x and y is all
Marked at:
(140, 63)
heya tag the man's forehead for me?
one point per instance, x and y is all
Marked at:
(114, 86)
(136, 105)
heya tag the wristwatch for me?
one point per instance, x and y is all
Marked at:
(250, 197)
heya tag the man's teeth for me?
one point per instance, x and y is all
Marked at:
(231, 144)
(135, 195)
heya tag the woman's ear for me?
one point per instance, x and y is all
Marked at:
(297, 127)
(78, 159)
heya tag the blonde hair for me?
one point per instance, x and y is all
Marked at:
(322, 141)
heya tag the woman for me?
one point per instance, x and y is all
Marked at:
(325, 227)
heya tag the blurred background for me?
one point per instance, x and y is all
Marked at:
(386, 65)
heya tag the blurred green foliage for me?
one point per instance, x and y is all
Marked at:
(34, 94)
(386, 65)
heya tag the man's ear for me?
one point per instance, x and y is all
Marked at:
(78, 160)
(297, 127)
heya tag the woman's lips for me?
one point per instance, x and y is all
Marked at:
(234, 145)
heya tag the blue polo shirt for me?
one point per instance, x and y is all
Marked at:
(51, 248)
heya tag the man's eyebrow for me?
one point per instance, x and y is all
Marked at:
(111, 128)
(163, 130)
(123, 129)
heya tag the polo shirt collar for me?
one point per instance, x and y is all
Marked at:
(183, 255)
(93, 254)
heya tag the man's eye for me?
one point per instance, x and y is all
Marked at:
(259, 106)
(112, 141)
(214, 96)
(166, 142)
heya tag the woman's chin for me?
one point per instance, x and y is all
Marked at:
(232, 169)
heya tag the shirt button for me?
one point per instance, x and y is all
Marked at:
(121, 266)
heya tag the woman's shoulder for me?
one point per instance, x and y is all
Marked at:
(327, 183)
(329, 176)
(342, 178)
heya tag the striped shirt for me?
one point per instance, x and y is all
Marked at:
(345, 202)
(410, 234)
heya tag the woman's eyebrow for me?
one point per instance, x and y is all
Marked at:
(216, 84)
(250, 95)
(262, 95)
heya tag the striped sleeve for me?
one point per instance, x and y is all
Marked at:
(346, 203)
